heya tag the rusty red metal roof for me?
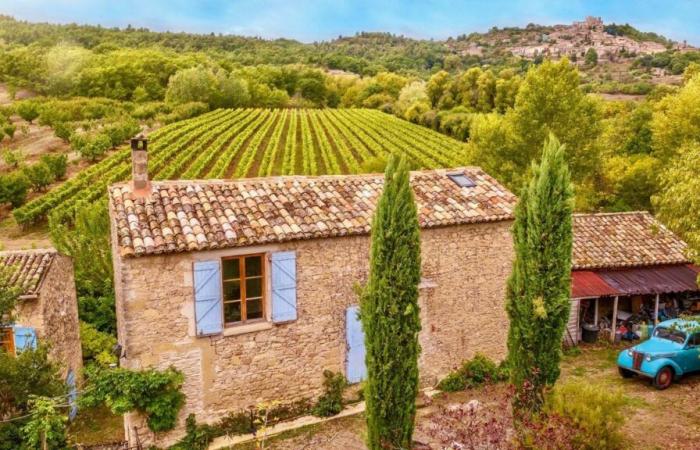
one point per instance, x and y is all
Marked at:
(635, 281)
(652, 280)
(585, 283)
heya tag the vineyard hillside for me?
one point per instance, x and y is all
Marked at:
(236, 143)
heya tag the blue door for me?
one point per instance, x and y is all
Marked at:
(355, 369)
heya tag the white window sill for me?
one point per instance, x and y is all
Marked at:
(247, 328)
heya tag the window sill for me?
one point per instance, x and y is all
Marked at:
(247, 328)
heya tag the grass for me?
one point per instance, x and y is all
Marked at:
(96, 426)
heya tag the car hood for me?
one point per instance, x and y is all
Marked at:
(657, 345)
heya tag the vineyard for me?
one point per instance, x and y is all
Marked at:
(235, 143)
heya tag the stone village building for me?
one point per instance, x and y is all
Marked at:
(248, 286)
(47, 309)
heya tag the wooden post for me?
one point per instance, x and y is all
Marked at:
(656, 310)
(595, 312)
(614, 320)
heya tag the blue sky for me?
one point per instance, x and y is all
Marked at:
(309, 20)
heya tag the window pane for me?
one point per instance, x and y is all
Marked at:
(232, 312)
(231, 268)
(254, 309)
(232, 290)
(253, 287)
(253, 266)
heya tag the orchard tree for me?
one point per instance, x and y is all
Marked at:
(677, 203)
(538, 288)
(391, 316)
(549, 100)
(676, 120)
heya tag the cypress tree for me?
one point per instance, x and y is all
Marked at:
(539, 286)
(390, 314)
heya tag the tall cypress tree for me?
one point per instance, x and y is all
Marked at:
(539, 286)
(390, 314)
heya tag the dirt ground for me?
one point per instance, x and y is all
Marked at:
(655, 419)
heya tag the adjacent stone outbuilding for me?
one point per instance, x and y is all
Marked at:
(47, 309)
(248, 286)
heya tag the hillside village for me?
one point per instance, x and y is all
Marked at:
(202, 254)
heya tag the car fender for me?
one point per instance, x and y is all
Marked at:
(657, 364)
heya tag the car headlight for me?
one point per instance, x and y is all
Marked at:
(648, 358)
(630, 352)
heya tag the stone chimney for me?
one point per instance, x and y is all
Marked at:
(139, 167)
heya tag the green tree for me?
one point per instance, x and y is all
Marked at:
(46, 428)
(28, 374)
(538, 288)
(676, 120)
(436, 87)
(390, 314)
(39, 176)
(591, 58)
(677, 202)
(195, 84)
(57, 164)
(13, 188)
(551, 101)
(8, 295)
(84, 236)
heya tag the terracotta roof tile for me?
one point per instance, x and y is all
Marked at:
(27, 268)
(617, 240)
(203, 215)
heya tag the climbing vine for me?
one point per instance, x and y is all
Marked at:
(155, 394)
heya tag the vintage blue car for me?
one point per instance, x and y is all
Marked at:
(672, 351)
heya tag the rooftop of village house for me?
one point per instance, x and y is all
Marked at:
(181, 216)
(27, 268)
(622, 240)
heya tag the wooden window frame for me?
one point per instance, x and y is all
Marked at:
(244, 299)
(8, 344)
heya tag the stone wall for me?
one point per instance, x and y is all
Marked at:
(462, 308)
(54, 315)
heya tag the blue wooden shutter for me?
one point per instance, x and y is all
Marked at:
(284, 286)
(208, 310)
(72, 395)
(25, 338)
(355, 367)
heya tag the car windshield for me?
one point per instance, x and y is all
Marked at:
(670, 334)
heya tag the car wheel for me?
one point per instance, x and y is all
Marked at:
(663, 378)
(625, 373)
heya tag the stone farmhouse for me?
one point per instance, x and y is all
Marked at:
(47, 309)
(248, 286)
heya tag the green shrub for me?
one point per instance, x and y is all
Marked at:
(39, 176)
(120, 131)
(13, 158)
(243, 422)
(28, 110)
(184, 111)
(13, 188)
(97, 346)
(9, 130)
(198, 437)
(331, 402)
(154, 393)
(473, 373)
(596, 413)
(57, 164)
(63, 131)
(91, 147)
